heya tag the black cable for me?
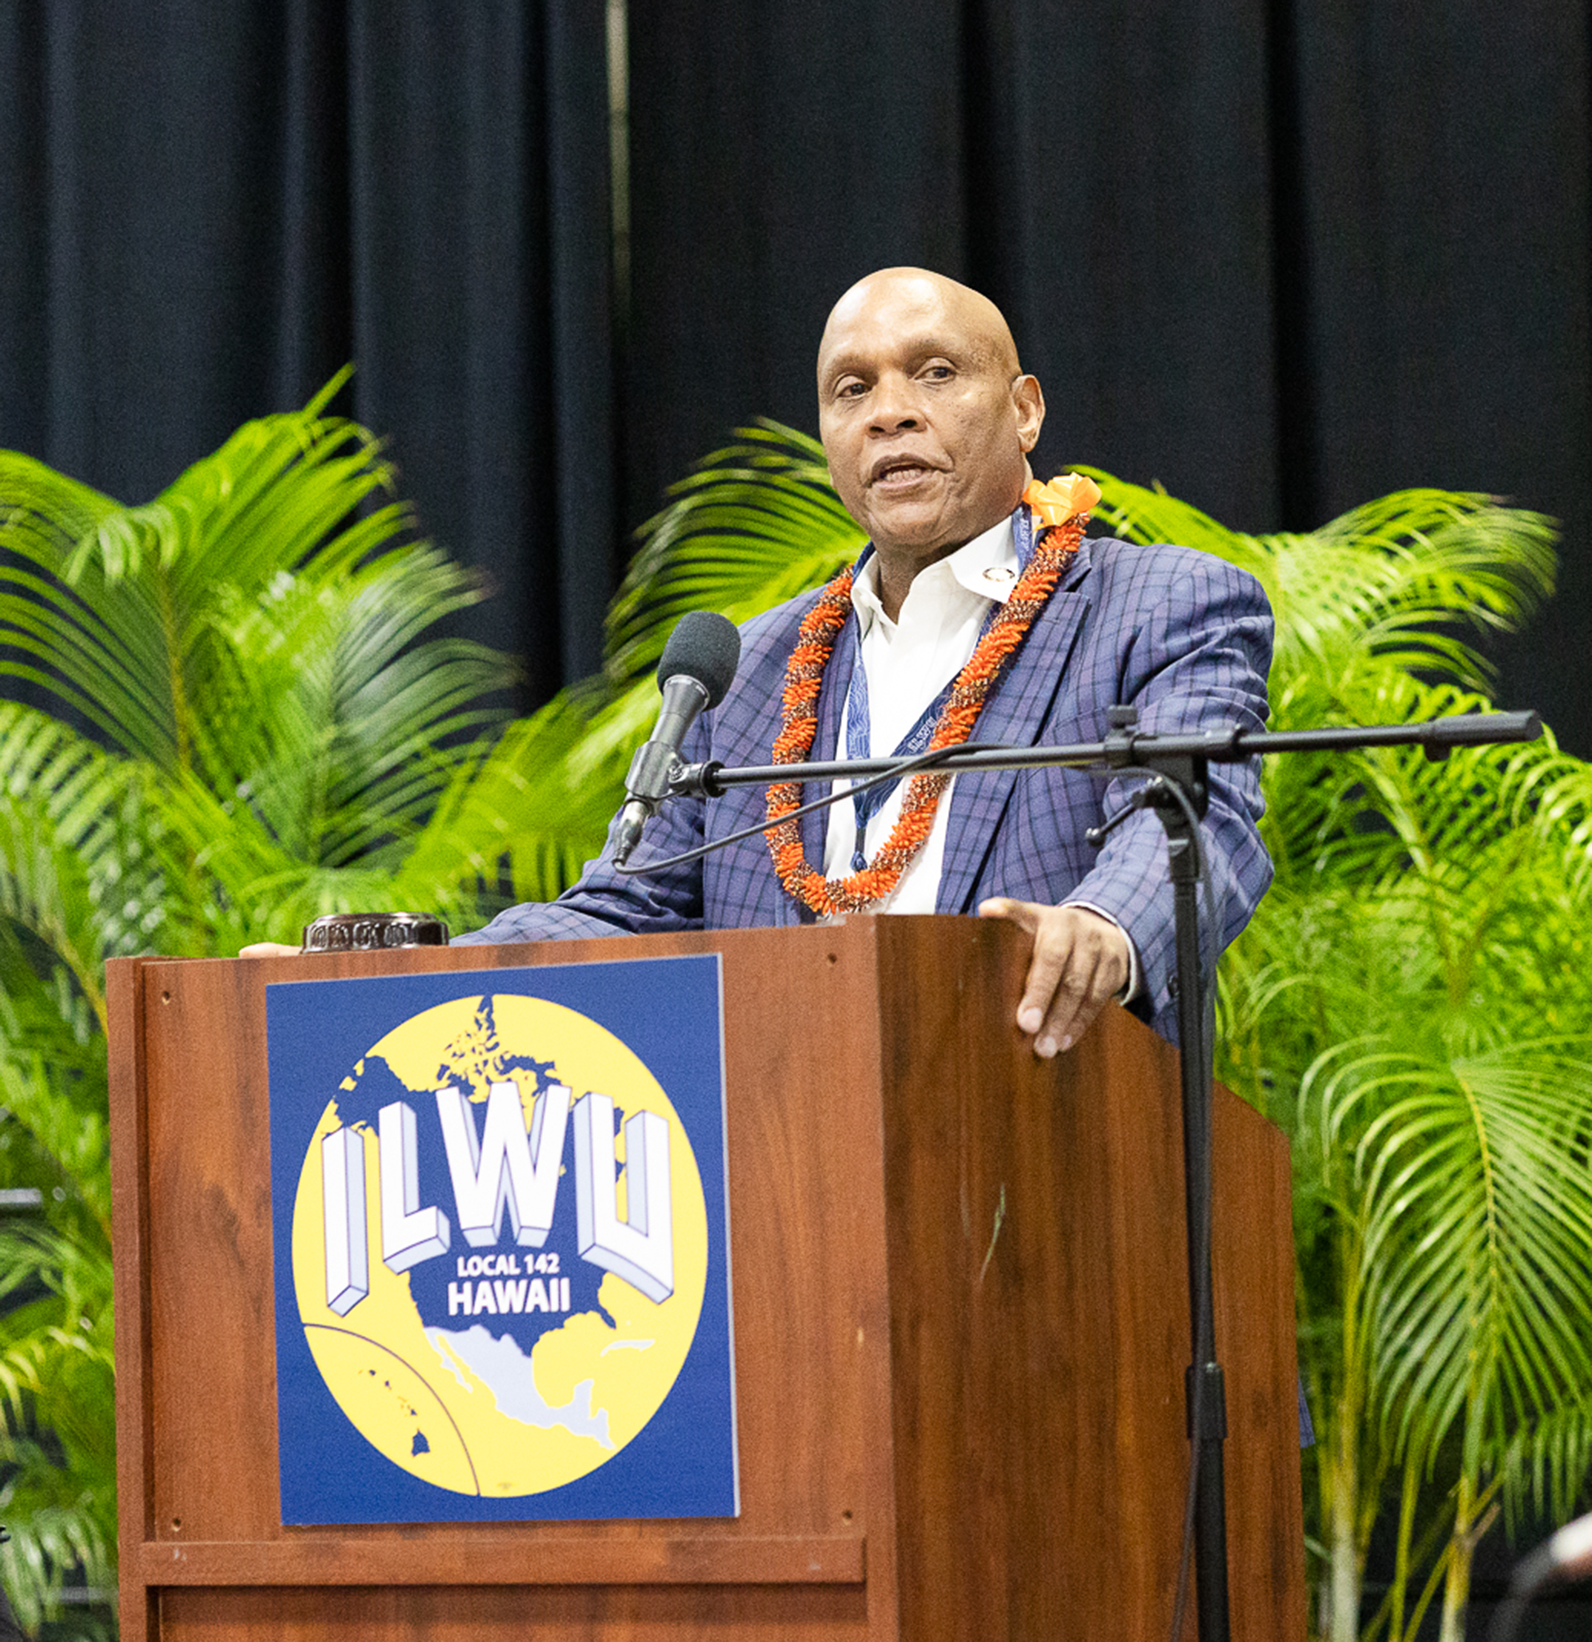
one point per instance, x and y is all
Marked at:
(1203, 1345)
(1202, 1348)
(1186, 1555)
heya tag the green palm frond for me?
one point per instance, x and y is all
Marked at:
(269, 575)
(754, 524)
(45, 891)
(1478, 1213)
(1385, 586)
(78, 871)
(1137, 513)
(535, 809)
(57, 1394)
(1547, 1462)
(335, 722)
(62, 1533)
(67, 1134)
(274, 725)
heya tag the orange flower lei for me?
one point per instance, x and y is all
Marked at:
(1061, 509)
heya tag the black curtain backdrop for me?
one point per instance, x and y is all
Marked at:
(211, 205)
(1281, 255)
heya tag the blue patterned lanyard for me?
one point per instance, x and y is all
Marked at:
(859, 729)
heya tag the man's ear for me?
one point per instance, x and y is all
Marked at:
(1029, 402)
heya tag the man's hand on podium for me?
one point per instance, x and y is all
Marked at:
(1080, 962)
(270, 949)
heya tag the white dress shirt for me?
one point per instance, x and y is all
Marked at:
(908, 662)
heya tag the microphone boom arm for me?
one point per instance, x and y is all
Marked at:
(1129, 749)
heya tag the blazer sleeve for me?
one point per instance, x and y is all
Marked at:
(608, 902)
(734, 887)
(1193, 656)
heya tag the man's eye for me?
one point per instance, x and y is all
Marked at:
(938, 373)
(850, 390)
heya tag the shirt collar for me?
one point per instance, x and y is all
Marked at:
(986, 566)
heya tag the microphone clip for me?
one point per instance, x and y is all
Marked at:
(698, 780)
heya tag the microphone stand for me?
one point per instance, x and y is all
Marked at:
(1177, 790)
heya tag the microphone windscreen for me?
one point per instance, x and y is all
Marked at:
(704, 646)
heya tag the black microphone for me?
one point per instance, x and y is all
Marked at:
(697, 667)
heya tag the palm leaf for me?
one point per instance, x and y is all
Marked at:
(1382, 586)
(139, 618)
(1479, 1213)
(756, 523)
(522, 822)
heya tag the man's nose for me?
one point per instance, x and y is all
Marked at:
(895, 404)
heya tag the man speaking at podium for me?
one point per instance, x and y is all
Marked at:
(979, 611)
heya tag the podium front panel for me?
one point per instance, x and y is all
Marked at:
(932, 1444)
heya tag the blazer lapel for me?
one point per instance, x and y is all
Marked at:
(1014, 716)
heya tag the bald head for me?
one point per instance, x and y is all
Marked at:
(905, 289)
(926, 417)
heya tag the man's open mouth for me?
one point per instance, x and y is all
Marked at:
(900, 471)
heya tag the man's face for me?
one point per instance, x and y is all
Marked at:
(925, 420)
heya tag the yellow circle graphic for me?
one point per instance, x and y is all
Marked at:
(533, 1384)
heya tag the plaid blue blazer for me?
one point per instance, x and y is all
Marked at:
(1182, 635)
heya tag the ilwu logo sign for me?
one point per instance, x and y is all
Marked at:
(501, 1245)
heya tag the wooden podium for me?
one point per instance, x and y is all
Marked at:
(960, 1317)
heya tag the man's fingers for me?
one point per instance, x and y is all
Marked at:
(1048, 990)
(1079, 961)
(1088, 981)
(1043, 970)
(1060, 978)
(1024, 913)
(269, 949)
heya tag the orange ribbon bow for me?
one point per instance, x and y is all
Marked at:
(1064, 498)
